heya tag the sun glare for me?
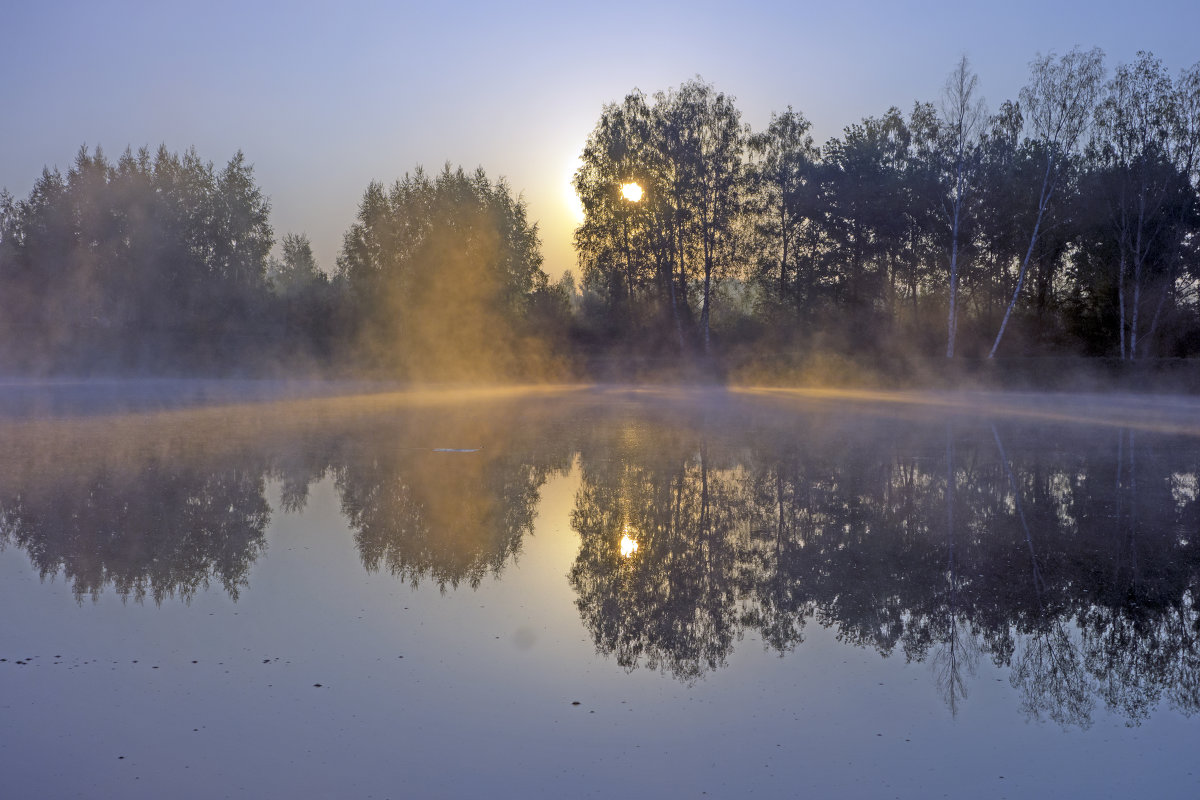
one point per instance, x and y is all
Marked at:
(628, 545)
(631, 191)
(572, 200)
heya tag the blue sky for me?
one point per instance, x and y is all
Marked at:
(324, 97)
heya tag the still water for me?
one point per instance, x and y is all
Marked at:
(597, 592)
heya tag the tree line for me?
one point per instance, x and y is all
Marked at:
(163, 262)
(1064, 222)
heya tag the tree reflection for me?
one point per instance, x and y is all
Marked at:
(149, 530)
(671, 604)
(1063, 562)
(1063, 556)
(451, 517)
(164, 505)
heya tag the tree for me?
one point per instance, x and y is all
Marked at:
(686, 152)
(1134, 123)
(866, 203)
(615, 250)
(783, 200)
(1058, 103)
(701, 136)
(443, 272)
(962, 114)
(296, 268)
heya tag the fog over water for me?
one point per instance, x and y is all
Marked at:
(789, 455)
(243, 587)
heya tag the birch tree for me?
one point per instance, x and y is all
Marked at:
(703, 138)
(1135, 124)
(1058, 104)
(962, 113)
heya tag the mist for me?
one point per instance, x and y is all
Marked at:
(949, 246)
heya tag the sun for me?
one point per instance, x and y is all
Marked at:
(631, 191)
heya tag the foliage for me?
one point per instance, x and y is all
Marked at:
(445, 277)
(148, 262)
(1065, 223)
(1072, 213)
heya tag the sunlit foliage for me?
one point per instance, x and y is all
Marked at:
(446, 278)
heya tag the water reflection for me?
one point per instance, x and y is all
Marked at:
(101, 509)
(1063, 554)
(450, 514)
(162, 505)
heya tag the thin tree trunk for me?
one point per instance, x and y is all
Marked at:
(708, 268)
(953, 321)
(1043, 201)
(1121, 298)
(1138, 258)
(783, 256)
(1162, 299)
(675, 303)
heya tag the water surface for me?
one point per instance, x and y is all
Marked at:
(582, 592)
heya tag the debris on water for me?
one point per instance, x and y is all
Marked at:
(575, 702)
(316, 686)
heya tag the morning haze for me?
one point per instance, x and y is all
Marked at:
(556, 401)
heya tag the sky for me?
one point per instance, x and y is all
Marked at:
(325, 97)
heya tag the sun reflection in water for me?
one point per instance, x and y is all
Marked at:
(628, 544)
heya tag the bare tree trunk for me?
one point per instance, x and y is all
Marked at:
(704, 312)
(783, 256)
(628, 264)
(1043, 201)
(1138, 258)
(1121, 298)
(962, 114)
(953, 321)
(1162, 300)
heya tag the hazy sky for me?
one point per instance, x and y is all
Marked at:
(325, 97)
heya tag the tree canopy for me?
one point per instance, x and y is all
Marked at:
(1063, 222)
(445, 275)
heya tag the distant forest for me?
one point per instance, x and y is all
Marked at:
(1063, 223)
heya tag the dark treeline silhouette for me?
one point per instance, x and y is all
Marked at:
(1064, 554)
(1063, 223)
(163, 264)
(153, 262)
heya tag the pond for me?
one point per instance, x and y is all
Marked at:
(220, 590)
